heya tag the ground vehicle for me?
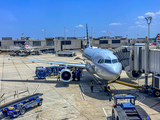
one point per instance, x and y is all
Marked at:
(36, 72)
(41, 73)
(18, 107)
(125, 109)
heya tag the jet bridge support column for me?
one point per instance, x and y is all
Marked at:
(146, 61)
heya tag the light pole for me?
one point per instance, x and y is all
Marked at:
(146, 52)
(137, 36)
(91, 31)
(64, 32)
(148, 22)
(74, 33)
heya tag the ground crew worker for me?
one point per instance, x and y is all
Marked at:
(54, 71)
(92, 84)
(58, 76)
(78, 75)
(73, 74)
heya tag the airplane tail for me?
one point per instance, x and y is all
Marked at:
(157, 40)
(88, 43)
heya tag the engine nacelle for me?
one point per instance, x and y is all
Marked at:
(66, 75)
(134, 74)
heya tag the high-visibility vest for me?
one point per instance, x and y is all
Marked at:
(58, 75)
(92, 83)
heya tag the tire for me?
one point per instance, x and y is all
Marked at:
(23, 111)
(156, 93)
(40, 103)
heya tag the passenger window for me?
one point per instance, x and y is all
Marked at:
(107, 61)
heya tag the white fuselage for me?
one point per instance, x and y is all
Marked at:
(103, 63)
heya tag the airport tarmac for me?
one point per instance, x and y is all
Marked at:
(66, 101)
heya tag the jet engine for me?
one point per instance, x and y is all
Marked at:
(66, 75)
(134, 74)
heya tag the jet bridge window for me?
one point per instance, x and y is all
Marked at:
(107, 61)
(114, 61)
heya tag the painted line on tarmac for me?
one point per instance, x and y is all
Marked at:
(155, 104)
(81, 87)
(105, 113)
(142, 98)
(82, 96)
(36, 89)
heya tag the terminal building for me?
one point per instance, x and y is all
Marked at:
(71, 43)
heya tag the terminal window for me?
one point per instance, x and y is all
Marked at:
(36, 43)
(103, 42)
(116, 41)
(66, 42)
(18, 43)
(0, 43)
(49, 43)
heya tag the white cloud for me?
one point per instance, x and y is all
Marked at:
(140, 17)
(137, 23)
(138, 26)
(116, 23)
(143, 26)
(150, 14)
(158, 13)
(79, 25)
(103, 31)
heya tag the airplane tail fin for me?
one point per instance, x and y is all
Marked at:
(88, 43)
(157, 39)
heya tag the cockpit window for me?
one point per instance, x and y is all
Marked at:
(102, 61)
(114, 61)
(99, 60)
(107, 61)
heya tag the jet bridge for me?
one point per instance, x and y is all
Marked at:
(132, 59)
(135, 62)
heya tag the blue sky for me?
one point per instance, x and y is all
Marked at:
(119, 17)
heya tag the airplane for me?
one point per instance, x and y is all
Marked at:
(29, 47)
(157, 40)
(101, 62)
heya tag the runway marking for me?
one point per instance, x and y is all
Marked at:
(82, 96)
(36, 89)
(105, 113)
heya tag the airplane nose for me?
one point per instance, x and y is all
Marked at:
(113, 72)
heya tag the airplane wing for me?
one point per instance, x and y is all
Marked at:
(53, 62)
